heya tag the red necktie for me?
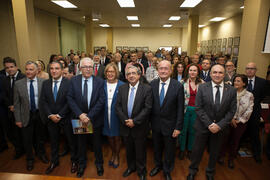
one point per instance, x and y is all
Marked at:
(96, 70)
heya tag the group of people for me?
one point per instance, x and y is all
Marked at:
(195, 102)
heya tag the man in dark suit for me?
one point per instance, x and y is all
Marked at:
(13, 132)
(27, 116)
(121, 66)
(86, 98)
(3, 113)
(133, 107)
(104, 60)
(206, 66)
(98, 68)
(53, 104)
(215, 108)
(143, 60)
(167, 118)
(257, 86)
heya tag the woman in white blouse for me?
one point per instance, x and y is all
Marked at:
(111, 121)
(245, 102)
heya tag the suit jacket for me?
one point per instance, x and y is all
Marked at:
(206, 78)
(170, 115)
(122, 75)
(205, 109)
(49, 106)
(107, 61)
(96, 107)
(100, 72)
(140, 112)
(21, 100)
(3, 108)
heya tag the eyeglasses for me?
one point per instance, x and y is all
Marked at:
(250, 68)
(87, 67)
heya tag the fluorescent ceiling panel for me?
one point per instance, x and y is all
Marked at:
(167, 25)
(216, 19)
(190, 3)
(135, 25)
(174, 18)
(132, 18)
(200, 26)
(104, 25)
(242, 7)
(95, 19)
(126, 3)
(64, 3)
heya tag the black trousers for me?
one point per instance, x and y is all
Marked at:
(54, 133)
(166, 144)
(3, 141)
(136, 153)
(34, 136)
(253, 130)
(214, 142)
(97, 146)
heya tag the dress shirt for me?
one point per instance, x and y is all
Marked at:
(221, 87)
(110, 92)
(179, 77)
(58, 83)
(11, 80)
(165, 86)
(90, 88)
(119, 66)
(135, 91)
(205, 73)
(35, 85)
(253, 81)
(102, 60)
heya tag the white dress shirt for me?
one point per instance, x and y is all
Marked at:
(35, 85)
(58, 83)
(253, 81)
(167, 83)
(221, 88)
(135, 91)
(110, 92)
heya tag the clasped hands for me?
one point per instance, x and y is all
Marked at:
(129, 123)
(84, 118)
(55, 118)
(213, 128)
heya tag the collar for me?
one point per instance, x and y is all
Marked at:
(136, 85)
(58, 80)
(166, 82)
(214, 84)
(35, 79)
(83, 78)
(253, 79)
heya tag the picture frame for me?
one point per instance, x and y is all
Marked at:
(230, 41)
(145, 49)
(119, 48)
(209, 43)
(219, 42)
(223, 50)
(125, 47)
(132, 48)
(214, 42)
(236, 41)
(229, 50)
(224, 42)
(138, 48)
(235, 51)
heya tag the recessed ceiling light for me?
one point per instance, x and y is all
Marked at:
(126, 3)
(217, 19)
(135, 25)
(104, 25)
(242, 7)
(132, 18)
(200, 26)
(64, 3)
(167, 25)
(94, 19)
(190, 3)
(174, 18)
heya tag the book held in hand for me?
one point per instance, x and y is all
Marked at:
(80, 128)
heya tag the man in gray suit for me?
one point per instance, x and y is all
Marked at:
(215, 108)
(98, 68)
(26, 112)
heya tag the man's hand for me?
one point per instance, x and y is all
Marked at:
(54, 118)
(175, 133)
(19, 124)
(214, 128)
(83, 117)
(11, 108)
(130, 123)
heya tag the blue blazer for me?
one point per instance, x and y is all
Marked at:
(114, 130)
(96, 108)
(206, 78)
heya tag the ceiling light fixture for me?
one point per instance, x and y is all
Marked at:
(200, 26)
(94, 19)
(132, 18)
(167, 25)
(104, 25)
(126, 3)
(135, 25)
(174, 18)
(216, 19)
(190, 3)
(242, 7)
(64, 3)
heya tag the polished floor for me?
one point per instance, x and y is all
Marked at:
(245, 168)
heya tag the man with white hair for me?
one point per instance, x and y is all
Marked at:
(86, 100)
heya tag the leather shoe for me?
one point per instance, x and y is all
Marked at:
(209, 177)
(142, 177)
(44, 158)
(74, 167)
(190, 177)
(100, 170)
(154, 171)
(167, 176)
(51, 168)
(80, 172)
(221, 161)
(30, 165)
(128, 172)
(230, 164)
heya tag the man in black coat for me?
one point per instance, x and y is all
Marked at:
(167, 118)
(133, 107)
(54, 106)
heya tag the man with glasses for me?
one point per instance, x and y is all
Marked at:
(230, 72)
(257, 86)
(86, 100)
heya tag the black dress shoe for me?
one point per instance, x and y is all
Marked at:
(100, 170)
(74, 168)
(128, 172)
(167, 176)
(181, 155)
(142, 177)
(209, 177)
(190, 177)
(30, 165)
(43, 158)
(230, 164)
(51, 168)
(154, 171)
(221, 161)
(18, 155)
(80, 172)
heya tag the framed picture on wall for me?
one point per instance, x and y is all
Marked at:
(125, 47)
(132, 48)
(230, 41)
(218, 49)
(235, 50)
(219, 42)
(224, 42)
(223, 50)
(119, 48)
(214, 49)
(139, 48)
(229, 50)
(235, 60)
(145, 49)
(96, 48)
(209, 43)
(214, 42)
(236, 41)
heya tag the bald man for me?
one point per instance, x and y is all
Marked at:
(257, 86)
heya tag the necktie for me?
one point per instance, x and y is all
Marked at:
(32, 96)
(162, 93)
(96, 70)
(75, 69)
(55, 90)
(85, 95)
(13, 82)
(249, 88)
(130, 102)
(217, 99)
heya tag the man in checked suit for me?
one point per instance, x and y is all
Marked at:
(133, 107)
(27, 116)
(54, 106)
(86, 98)
(215, 108)
(167, 118)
